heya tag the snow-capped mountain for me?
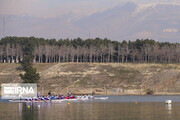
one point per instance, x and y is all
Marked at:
(128, 21)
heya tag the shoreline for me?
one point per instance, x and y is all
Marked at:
(129, 95)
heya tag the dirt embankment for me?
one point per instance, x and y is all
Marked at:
(100, 78)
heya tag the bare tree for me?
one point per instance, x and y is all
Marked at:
(147, 49)
(12, 49)
(134, 54)
(110, 52)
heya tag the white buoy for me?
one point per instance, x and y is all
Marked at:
(168, 101)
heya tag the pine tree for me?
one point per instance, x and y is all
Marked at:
(30, 76)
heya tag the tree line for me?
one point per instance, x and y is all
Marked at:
(13, 50)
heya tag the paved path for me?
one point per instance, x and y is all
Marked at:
(49, 69)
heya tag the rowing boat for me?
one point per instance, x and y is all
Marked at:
(53, 100)
(64, 100)
(25, 101)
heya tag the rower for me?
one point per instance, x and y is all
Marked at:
(49, 93)
(69, 94)
(38, 94)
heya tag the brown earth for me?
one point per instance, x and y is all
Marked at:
(100, 78)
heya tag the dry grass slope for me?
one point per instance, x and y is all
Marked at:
(101, 78)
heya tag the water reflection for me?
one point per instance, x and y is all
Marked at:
(169, 107)
(89, 111)
(20, 109)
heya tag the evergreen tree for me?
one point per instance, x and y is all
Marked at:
(31, 75)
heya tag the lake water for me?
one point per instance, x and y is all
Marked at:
(114, 108)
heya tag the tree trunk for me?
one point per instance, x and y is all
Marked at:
(122, 58)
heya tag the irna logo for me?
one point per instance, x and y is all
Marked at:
(18, 90)
(15, 91)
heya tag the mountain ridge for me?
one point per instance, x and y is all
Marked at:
(128, 21)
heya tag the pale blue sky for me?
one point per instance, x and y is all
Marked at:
(53, 8)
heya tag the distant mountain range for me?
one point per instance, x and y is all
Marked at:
(127, 21)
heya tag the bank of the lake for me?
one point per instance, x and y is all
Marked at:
(100, 78)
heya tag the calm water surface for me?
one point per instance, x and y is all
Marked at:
(115, 108)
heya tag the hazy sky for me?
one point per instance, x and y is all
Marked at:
(53, 8)
(74, 10)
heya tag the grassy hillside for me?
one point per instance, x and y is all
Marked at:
(101, 78)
